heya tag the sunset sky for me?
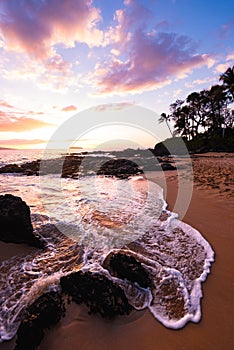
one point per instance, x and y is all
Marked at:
(59, 58)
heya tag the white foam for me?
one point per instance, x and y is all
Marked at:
(168, 247)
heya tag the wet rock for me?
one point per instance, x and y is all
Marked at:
(45, 312)
(122, 168)
(15, 222)
(71, 166)
(124, 266)
(10, 168)
(96, 291)
(167, 166)
(29, 168)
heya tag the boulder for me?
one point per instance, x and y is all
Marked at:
(45, 312)
(15, 222)
(121, 168)
(167, 166)
(99, 293)
(127, 267)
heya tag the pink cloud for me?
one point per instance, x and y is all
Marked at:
(8, 122)
(146, 58)
(35, 27)
(152, 61)
(113, 106)
(20, 142)
(5, 104)
(69, 108)
(17, 120)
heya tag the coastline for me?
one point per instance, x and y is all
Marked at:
(211, 213)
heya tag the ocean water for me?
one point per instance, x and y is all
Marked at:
(84, 220)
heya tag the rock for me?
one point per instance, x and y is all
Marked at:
(71, 165)
(15, 222)
(171, 146)
(167, 166)
(45, 312)
(122, 168)
(10, 168)
(124, 266)
(99, 293)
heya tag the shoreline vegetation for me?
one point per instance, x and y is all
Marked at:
(204, 119)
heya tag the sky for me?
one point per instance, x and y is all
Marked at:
(61, 58)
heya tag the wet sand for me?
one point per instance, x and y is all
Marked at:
(211, 212)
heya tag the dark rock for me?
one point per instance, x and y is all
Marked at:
(121, 168)
(15, 222)
(161, 150)
(124, 266)
(71, 165)
(45, 312)
(10, 168)
(99, 293)
(172, 146)
(167, 166)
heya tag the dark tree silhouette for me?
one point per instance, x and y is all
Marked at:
(228, 81)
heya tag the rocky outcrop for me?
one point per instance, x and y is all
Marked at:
(15, 222)
(172, 146)
(29, 168)
(121, 168)
(45, 312)
(124, 266)
(70, 167)
(74, 166)
(96, 291)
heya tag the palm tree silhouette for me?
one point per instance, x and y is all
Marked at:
(228, 81)
(165, 118)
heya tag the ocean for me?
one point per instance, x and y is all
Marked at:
(83, 220)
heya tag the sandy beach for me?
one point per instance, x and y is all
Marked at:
(210, 212)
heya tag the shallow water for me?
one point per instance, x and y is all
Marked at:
(82, 221)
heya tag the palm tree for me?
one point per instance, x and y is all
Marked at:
(194, 101)
(165, 118)
(228, 81)
(218, 102)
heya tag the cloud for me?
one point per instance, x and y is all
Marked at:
(5, 104)
(144, 58)
(15, 124)
(222, 67)
(152, 61)
(113, 106)
(230, 57)
(20, 142)
(45, 76)
(204, 81)
(35, 27)
(37, 31)
(17, 120)
(69, 108)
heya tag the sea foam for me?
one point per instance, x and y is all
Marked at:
(102, 216)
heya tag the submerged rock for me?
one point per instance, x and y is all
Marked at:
(124, 266)
(15, 222)
(96, 291)
(45, 312)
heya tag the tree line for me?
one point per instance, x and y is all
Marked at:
(205, 112)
